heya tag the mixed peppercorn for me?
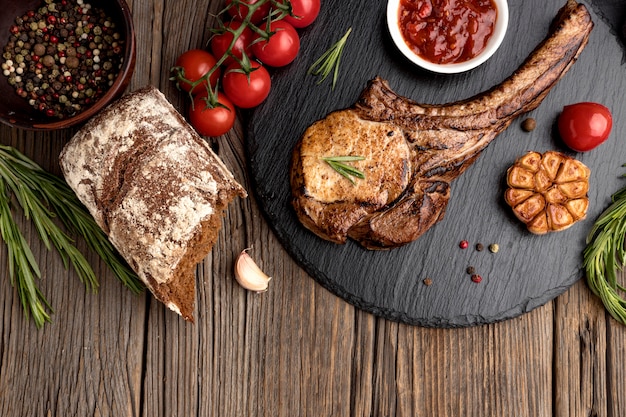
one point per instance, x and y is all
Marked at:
(471, 271)
(63, 56)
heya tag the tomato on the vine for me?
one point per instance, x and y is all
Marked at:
(583, 126)
(304, 12)
(214, 121)
(246, 88)
(192, 66)
(221, 41)
(240, 11)
(281, 48)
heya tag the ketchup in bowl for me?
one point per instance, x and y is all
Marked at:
(447, 31)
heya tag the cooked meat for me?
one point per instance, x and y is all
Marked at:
(413, 151)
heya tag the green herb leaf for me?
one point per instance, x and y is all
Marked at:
(329, 61)
(23, 268)
(337, 163)
(605, 254)
(44, 197)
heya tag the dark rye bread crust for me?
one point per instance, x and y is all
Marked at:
(156, 189)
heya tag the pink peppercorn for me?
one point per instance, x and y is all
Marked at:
(463, 244)
(476, 278)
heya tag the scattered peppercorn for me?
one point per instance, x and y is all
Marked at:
(529, 124)
(480, 247)
(476, 278)
(59, 52)
(428, 282)
(463, 244)
(494, 248)
(471, 270)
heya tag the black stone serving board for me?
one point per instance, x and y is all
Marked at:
(528, 270)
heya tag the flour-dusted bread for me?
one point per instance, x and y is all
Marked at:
(156, 189)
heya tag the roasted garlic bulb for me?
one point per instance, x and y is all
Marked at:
(548, 192)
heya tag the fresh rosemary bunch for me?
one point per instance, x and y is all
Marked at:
(42, 197)
(605, 255)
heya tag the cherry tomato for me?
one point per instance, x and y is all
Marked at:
(246, 91)
(282, 47)
(240, 11)
(214, 121)
(221, 42)
(195, 63)
(583, 126)
(304, 12)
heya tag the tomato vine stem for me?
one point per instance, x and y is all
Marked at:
(279, 10)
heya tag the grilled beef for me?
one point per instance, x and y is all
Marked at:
(411, 152)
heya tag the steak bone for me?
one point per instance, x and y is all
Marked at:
(442, 140)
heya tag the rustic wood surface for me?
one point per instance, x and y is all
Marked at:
(296, 350)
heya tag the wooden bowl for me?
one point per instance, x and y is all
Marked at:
(15, 110)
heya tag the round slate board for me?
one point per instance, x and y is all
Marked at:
(528, 270)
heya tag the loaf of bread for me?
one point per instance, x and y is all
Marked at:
(156, 189)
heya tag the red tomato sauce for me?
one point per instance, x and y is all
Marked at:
(447, 31)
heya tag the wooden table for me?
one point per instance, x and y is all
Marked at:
(296, 350)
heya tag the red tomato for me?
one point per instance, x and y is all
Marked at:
(282, 47)
(246, 91)
(304, 12)
(221, 42)
(214, 121)
(193, 65)
(240, 11)
(583, 126)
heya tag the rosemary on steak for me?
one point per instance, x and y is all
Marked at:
(329, 61)
(338, 164)
(44, 197)
(605, 255)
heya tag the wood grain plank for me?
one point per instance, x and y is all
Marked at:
(580, 362)
(443, 372)
(296, 350)
(616, 372)
(147, 22)
(41, 368)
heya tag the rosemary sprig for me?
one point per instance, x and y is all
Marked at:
(605, 255)
(337, 163)
(42, 197)
(23, 268)
(329, 61)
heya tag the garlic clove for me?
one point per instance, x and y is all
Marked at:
(249, 275)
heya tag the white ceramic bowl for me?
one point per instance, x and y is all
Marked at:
(493, 44)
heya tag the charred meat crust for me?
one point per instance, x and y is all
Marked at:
(443, 141)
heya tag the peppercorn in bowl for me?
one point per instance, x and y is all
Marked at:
(62, 60)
